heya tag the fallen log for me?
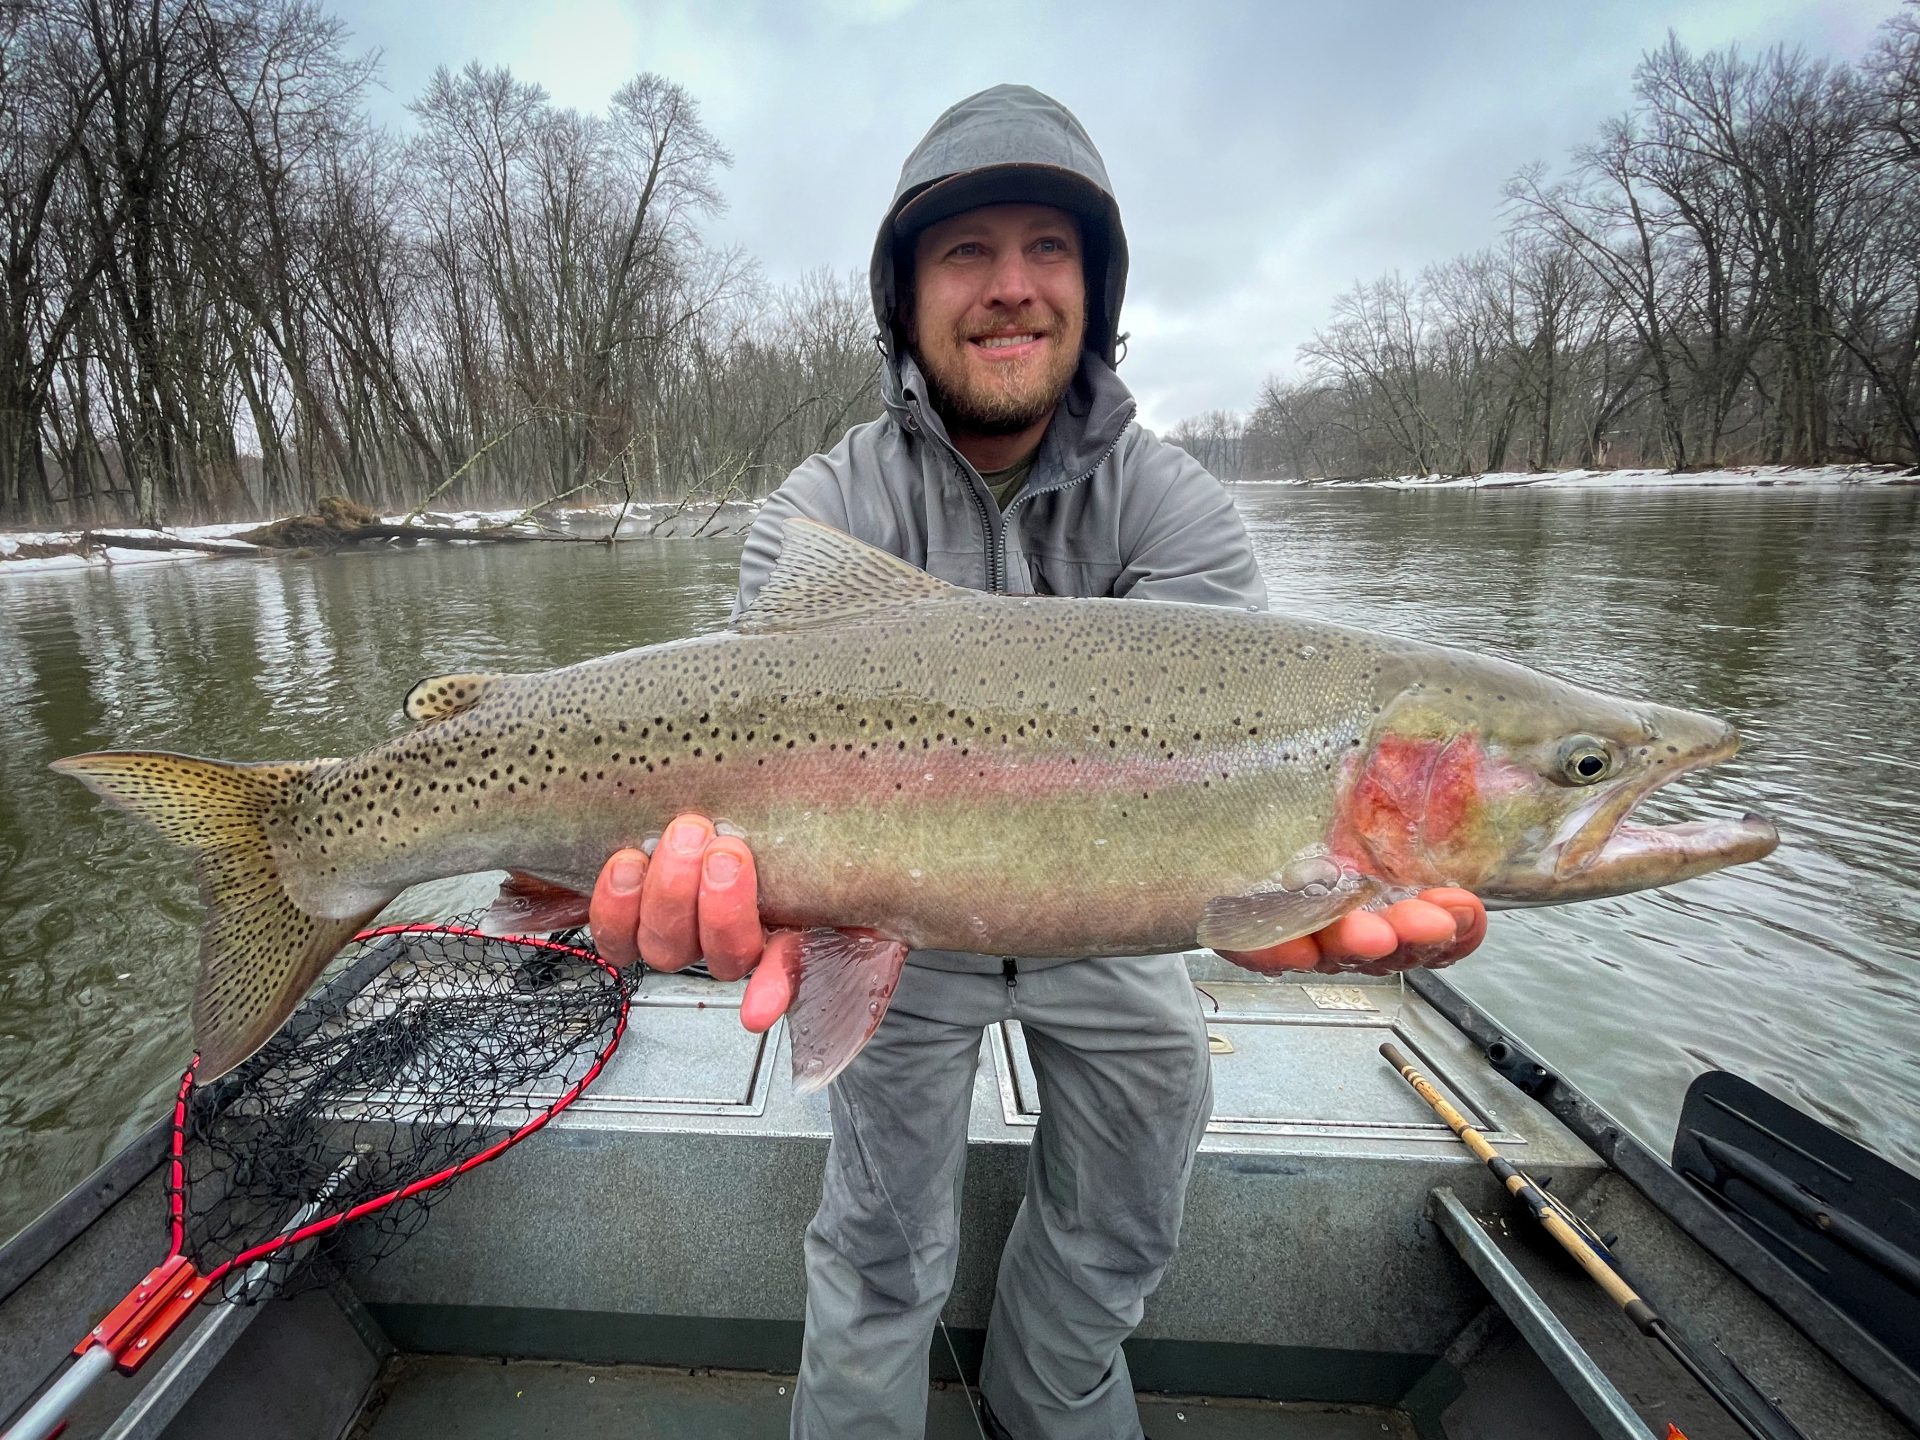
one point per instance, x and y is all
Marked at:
(97, 539)
(340, 523)
(331, 538)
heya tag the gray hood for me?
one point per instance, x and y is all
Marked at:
(1014, 125)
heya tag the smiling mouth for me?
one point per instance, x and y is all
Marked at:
(1016, 340)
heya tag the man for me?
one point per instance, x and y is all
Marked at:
(1007, 460)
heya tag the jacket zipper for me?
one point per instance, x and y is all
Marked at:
(1007, 517)
(1010, 971)
(997, 535)
(995, 583)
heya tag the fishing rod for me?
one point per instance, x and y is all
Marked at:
(1580, 1241)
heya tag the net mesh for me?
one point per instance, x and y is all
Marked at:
(435, 1046)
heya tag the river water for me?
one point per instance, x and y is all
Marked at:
(1795, 613)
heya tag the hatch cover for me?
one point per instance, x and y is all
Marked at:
(684, 1053)
(1286, 1062)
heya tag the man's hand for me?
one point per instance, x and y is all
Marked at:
(1433, 929)
(698, 896)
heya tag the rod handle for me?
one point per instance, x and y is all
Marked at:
(1521, 1188)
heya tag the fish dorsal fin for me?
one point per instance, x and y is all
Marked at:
(824, 577)
(439, 696)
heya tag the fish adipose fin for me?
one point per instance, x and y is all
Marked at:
(826, 578)
(259, 952)
(528, 905)
(1254, 922)
(439, 696)
(846, 980)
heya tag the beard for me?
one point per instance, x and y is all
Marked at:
(1007, 398)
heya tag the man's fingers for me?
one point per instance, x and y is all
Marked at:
(669, 901)
(1419, 922)
(730, 933)
(1434, 928)
(1469, 914)
(613, 913)
(1362, 935)
(771, 987)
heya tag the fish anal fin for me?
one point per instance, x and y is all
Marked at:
(529, 905)
(824, 577)
(1271, 917)
(439, 696)
(846, 980)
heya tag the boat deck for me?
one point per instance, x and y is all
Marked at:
(431, 1396)
(1346, 1267)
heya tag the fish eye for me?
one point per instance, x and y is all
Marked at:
(1585, 760)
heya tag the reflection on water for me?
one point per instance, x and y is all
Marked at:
(1792, 613)
(261, 660)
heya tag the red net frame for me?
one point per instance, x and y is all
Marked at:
(267, 1266)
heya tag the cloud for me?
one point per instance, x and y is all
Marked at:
(1267, 155)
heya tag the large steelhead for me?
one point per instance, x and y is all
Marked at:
(953, 770)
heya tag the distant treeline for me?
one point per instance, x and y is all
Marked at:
(1730, 273)
(225, 292)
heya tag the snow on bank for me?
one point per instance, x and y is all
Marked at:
(1742, 477)
(637, 521)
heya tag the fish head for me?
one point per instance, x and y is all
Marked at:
(1520, 786)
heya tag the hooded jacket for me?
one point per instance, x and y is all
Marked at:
(1108, 510)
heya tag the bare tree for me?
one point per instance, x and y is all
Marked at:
(1215, 439)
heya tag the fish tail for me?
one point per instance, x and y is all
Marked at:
(259, 951)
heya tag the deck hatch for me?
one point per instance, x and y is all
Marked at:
(685, 1053)
(1291, 1066)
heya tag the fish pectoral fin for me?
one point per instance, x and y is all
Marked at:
(529, 905)
(1271, 917)
(846, 980)
(439, 696)
(824, 577)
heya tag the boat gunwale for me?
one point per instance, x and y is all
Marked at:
(1829, 1329)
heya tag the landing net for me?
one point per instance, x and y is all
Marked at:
(331, 1143)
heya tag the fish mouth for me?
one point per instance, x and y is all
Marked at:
(1608, 853)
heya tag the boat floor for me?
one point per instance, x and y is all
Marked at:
(436, 1395)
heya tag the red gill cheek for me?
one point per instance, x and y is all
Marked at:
(1407, 803)
(1453, 793)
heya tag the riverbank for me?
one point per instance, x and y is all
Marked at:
(1732, 476)
(23, 552)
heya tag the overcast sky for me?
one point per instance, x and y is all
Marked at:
(1266, 155)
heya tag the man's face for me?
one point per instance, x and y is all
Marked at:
(999, 313)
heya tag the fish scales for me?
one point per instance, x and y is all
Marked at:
(948, 770)
(946, 774)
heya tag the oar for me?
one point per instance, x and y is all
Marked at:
(1579, 1241)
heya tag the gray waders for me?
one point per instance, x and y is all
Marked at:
(1126, 1087)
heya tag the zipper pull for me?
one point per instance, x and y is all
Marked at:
(1009, 971)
